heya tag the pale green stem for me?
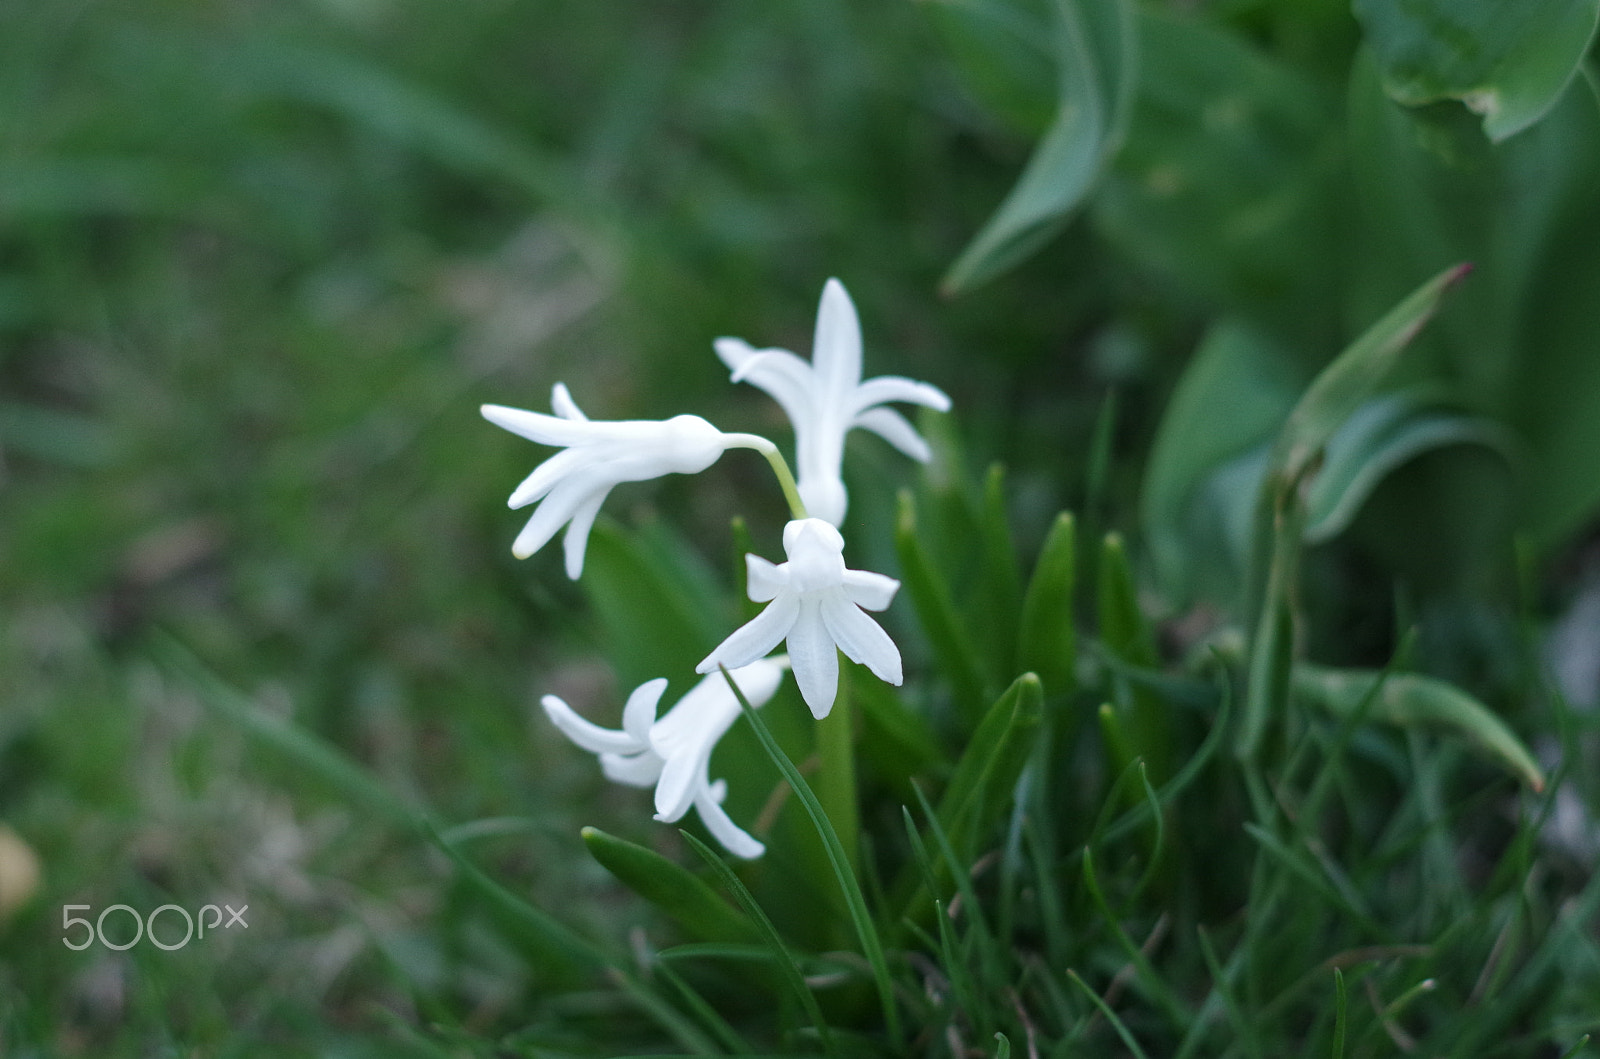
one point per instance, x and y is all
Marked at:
(780, 467)
(836, 779)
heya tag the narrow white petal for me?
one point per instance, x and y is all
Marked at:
(535, 426)
(784, 377)
(731, 837)
(632, 770)
(640, 712)
(764, 580)
(861, 638)
(587, 734)
(555, 509)
(814, 659)
(892, 427)
(675, 792)
(867, 589)
(563, 405)
(547, 475)
(577, 539)
(836, 349)
(885, 388)
(756, 638)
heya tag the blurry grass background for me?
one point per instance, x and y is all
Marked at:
(259, 265)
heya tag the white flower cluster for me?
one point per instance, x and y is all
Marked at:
(814, 603)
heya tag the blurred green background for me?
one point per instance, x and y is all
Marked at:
(261, 262)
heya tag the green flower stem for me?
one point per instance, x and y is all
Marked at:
(836, 779)
(780, 467)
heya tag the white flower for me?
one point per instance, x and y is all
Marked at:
(674, 753)
(598, 455)
(825, 399)
(815, 605)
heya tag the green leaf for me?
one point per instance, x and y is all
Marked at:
(1127, 635)
(930, 596)
(1090, 52)
(1508, 62)
(1002, 581)
(988, 770)
(1411, 700)
(668, 886)
(1047, 640)
(1380, 436)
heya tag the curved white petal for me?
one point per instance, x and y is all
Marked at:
(861, 638)
(814, 659)
(756, 638)
(555, 509)
(548, 475)
(632, 770)
(836, 349)
(867, 589)
(893, 427)
(675, 791)
(764, 580)
(640, 712)
(885, 388)
(576, 542)
(563, 405)
(535, 426)
(783, 376)
(732, 838)
(586, 734)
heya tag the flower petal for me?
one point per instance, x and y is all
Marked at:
(867, 589)
(640, 712)
(587, 734)
(836, 349)
(554, 510)
(756, 638)
(885, 388)
(563, 405)
(785, 377)
(576, 541)
(632, 770)
(675, 791)
(814, 659)
(861, 638)
(731, 837)
(892, 427)
(764, 580)
(547, 476)
(535, 426)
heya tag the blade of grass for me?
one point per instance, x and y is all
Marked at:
(1110, 1016)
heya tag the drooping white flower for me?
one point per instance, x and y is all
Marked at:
(674, 753)
(826, 399)
(599, 455)
(816, 605)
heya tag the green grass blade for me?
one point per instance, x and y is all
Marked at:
(930, 596)
(676, 891)
(866, 930)
(1110, 1016)
(1340, 1013)
(1047, 639)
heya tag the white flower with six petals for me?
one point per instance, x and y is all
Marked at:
(826, 399)
(816, 605)
(674, 753)
(599, 455)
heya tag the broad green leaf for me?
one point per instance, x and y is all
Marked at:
(1381, 435)
(994, 758)
(1344, 384)
(1085, 131)
(678, 893)
(1411, 700)
(1047, 640)
(1002, 49)
(1234, 394)
(1508, 62)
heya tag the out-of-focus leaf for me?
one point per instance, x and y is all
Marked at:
(1047, 640)
(1096, 53)
(1002, 49)
(1411, 700)
(1001, 580)
(993, 760)
(677, 892)
(1508, 62)
(1233, 395)
(1127, 634)
(930, 595)
(1378, 437)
